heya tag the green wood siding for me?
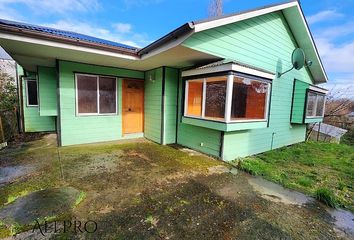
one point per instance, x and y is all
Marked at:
(152, 108)
(171, 87)
(265, 42)
(299, 101)
(88, 129)
(32, 120)
(47, 79)
(203, 139)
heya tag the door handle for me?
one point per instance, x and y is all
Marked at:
(129, 110)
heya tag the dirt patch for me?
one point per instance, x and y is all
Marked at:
(190, 211)
(218, 169)
(93, 165)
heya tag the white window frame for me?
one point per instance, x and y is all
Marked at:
(228, 100)
(98, 96)
(27, 97)
(318, 94)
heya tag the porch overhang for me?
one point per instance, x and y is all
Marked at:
(31, 52)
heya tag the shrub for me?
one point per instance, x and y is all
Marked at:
(326, 196)
(348, 138)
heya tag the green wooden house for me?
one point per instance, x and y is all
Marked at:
(210, 85)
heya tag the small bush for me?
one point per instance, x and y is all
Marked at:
(348, 138)
(326, 196)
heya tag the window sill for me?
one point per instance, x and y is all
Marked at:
(223, 126)
(313, 119)
(97, 115)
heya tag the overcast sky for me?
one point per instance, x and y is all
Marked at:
(139, 22)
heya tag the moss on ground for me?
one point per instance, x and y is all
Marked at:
(93, 167)
(308, 167)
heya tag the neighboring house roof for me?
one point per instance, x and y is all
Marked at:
(291, 10)
(351, 114)
(330, 130)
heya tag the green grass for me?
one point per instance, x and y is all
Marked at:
(323, 170)
(326, 196)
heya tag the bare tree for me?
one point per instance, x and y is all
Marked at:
(215, 8)
(340, 102)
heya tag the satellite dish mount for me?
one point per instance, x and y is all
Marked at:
(298, 60)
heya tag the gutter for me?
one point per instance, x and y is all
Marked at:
(66, 40)
(182, 30)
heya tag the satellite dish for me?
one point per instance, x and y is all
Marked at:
(298, 60)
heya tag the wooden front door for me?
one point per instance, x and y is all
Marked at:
(133, 106)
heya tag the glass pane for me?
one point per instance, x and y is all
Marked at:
(87, 94)
(249, 99)
(32, 93)
(195, 98)
(215, 98)
(311, 101)
(107, 95)
(320, 105)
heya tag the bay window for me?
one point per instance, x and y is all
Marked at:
(96, 95)
(215, 95)
(249, 99)
(315, 104)
(227, 98)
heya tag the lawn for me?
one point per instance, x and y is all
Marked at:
(323, 170)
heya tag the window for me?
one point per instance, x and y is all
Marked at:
(315, 104)
(32, 92)
(320, 105)
(215, 96)
(107, 93)
(249, 99)
(195, 98)
(96, 95)
(207, 98)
